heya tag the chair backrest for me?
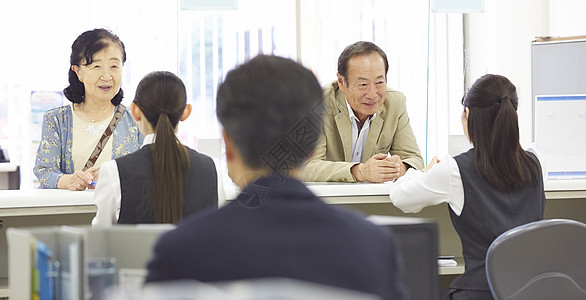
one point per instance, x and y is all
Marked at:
(540, 260)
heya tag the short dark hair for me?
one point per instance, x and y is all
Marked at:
(358, 49)
(83, 48)
(272, 109)
(494, 131)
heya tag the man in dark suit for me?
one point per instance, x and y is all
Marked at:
(272, 112)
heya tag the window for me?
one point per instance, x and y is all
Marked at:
(424, 51)
(425, 58)
(201, 45)
(212, 42)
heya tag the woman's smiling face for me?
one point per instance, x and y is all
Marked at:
(102, 77)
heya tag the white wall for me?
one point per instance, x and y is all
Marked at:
(499, 41)
(567, 17)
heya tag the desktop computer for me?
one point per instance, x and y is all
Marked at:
(418, 239)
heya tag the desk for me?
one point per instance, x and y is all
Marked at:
(565, 199)
(40, 208)
(351, 193)
(372, 193)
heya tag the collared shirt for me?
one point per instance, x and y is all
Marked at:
(108, 196)
(441, 184)
(359, 135)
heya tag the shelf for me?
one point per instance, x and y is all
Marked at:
(455, 270)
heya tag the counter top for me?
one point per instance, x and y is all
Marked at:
(332, 192)
(44, 197)
(45, 202)
(328, 189)
(348, 193)
(8, 167)
(334, 189)
(558, 185)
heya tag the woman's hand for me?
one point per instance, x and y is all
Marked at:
(432, 163)
(77, 181)
(95, 171)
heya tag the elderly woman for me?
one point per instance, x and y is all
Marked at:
(95, 127)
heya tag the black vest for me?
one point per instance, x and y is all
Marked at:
(200, 191)
(487, 213)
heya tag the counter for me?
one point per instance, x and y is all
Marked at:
(565, 199)
(31, 208)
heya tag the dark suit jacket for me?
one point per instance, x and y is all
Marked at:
(278, 228)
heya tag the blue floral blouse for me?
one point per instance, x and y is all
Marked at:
(54, 156)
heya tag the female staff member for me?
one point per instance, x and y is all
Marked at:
(490, 189)
(164, 180)
(76, 139)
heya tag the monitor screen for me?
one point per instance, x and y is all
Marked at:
(419, 247)
(559, 135)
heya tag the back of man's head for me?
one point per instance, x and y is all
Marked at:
(271, 108)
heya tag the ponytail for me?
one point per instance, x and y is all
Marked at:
(493, 128)
(171, 165)
(506, 166)
(161, 97)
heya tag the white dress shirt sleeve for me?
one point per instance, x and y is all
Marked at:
(442, 184)
(107, 195)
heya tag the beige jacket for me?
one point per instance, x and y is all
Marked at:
(389, 132)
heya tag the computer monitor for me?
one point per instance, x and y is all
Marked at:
(419, 247)
(559, 135)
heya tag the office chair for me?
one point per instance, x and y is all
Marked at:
(540, 260)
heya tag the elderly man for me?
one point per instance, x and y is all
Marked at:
(366, 135)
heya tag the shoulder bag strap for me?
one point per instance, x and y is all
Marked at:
(104, 139)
